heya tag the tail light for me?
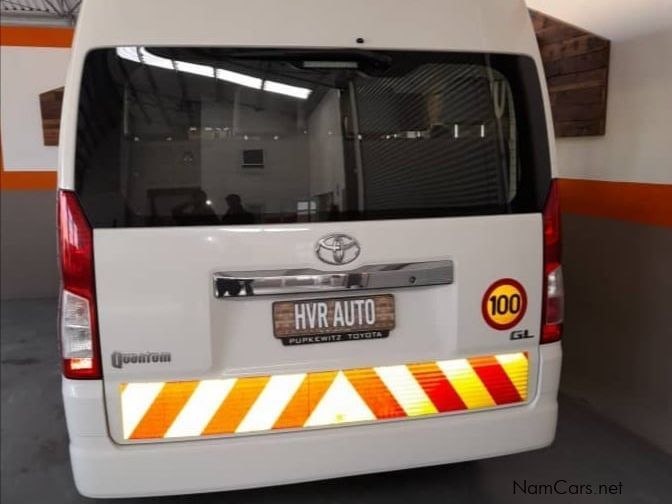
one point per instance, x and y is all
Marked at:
(554, 296)
(78, 325)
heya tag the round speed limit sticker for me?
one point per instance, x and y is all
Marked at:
(504, 304)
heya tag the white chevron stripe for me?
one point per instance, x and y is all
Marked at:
(135, 401)
(200, 408)
(271, 402)
(406, 390)
(340, 404)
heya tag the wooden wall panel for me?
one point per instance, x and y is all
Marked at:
(576, 63)
(50, 107)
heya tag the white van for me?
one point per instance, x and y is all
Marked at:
(303, 240)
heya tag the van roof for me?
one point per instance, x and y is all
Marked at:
(456, 25)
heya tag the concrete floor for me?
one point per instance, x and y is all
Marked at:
(35, 467)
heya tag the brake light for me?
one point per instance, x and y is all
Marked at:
(554, 294)
(78, 326)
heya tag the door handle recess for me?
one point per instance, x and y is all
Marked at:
(301, 281)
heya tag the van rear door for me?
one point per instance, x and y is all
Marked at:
(289, 239)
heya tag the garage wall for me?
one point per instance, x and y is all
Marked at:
(33, 60)
(28, 244)
(617, 206)
(26, 73)
(636, 146)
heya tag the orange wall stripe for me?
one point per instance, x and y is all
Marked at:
(627, 201)
(31, 36)
(28, 181)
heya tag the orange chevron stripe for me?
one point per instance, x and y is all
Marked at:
(164, 410)
(236, 405)
(311, 391)
(376, 395)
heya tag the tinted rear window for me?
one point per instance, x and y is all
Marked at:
(211, 136)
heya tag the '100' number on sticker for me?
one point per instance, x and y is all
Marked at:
(503, 304)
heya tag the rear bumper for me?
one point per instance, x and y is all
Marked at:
(104, 469)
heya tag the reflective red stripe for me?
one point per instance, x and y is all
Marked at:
(495, 380)
(437, 387)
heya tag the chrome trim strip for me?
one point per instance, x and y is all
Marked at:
(301, 281)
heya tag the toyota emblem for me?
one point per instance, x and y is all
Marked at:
(337, 249)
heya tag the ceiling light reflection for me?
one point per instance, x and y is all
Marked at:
(142, 55)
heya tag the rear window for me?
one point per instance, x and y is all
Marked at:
(213, 136)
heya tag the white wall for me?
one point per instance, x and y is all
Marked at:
(637, 146)
(614, 19)
(26, 72)
(618, 274)
(284, 179)
(327, 173)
